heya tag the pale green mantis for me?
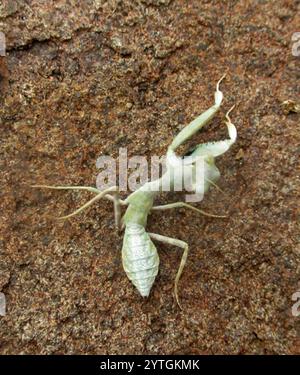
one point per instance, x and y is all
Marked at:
(139, 255)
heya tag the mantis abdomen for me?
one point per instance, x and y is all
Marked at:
(140, 258)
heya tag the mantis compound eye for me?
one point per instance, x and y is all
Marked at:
(210, 160)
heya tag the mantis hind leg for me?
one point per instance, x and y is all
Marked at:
(100, 194)
(183, 245)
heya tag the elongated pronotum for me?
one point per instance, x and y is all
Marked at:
(139, 254)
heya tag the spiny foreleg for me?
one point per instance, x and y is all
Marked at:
(200, 121)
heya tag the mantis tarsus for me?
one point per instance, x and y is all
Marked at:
(139, 255)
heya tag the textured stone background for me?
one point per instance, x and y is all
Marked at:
(82, 79)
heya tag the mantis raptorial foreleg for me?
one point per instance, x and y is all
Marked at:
(200, 121)
(183, 245)
(183, 204)
(100, 194)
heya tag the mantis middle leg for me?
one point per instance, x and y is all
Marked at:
(100, 194)
(183, 204)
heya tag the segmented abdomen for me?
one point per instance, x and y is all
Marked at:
(140, 258)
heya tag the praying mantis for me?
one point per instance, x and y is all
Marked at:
(139, 255)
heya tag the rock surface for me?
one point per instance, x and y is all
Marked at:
(82, 79)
